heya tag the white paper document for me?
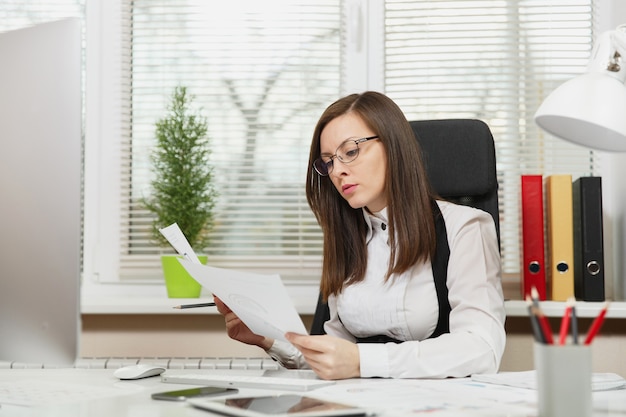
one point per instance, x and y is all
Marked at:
(260, 301)
(528, 380)
(177, 239)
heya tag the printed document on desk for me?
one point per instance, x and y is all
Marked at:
(260, 301)
(528, 379)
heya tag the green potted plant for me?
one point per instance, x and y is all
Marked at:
(182, 190)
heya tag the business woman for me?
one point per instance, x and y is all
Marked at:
(412, 281)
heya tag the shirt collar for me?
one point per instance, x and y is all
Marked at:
(375, 222)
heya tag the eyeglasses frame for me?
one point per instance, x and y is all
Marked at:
(356, 142)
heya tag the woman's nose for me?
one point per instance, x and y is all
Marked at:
(339, 168)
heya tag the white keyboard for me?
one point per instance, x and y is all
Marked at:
(165, 362)
(38, 393)
(247, 381)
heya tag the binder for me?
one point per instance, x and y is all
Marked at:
(588, 239)
(560, 228)
(533, 247)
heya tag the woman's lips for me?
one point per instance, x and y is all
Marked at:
(348, 188)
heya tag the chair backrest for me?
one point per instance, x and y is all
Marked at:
(460, 160)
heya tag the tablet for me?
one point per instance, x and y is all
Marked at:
(286, 405)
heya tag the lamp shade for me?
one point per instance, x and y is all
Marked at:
(589, 110)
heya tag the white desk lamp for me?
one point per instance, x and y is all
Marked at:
(590, 110)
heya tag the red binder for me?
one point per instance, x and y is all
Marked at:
(533, 253)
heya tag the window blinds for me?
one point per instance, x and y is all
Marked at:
(261, 73)
(495, 61)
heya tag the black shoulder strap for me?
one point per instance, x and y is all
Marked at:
(440, 276)
(440, 273)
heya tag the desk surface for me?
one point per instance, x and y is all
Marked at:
(386, 397)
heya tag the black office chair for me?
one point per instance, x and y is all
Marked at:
(460, 160)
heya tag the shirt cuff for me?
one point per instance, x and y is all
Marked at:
(374, 359)
(285, 354)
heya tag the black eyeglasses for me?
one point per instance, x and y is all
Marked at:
(347, 152)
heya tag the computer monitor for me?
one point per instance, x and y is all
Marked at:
(40, 193)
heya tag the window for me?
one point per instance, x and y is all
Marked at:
(263, 72)
(18, 14)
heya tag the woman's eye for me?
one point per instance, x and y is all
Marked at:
(351, 153)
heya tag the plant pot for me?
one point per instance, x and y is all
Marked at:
(178, 282)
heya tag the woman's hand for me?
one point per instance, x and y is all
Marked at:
(329, 357)
(237, 330)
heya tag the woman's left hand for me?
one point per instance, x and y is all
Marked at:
(329, 357)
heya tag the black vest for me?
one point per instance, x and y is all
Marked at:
(440, 276)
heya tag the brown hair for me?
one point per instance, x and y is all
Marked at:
(409, 197)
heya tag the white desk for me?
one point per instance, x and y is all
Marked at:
(392, 398)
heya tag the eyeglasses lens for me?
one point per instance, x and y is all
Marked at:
(323, 167)
(348, 151)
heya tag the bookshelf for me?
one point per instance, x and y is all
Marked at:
(516, 307)
(305, 304)
(519, 308)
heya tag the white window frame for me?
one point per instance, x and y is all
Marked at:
(102, 136)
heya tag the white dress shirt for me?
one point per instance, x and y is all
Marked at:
(406, 307)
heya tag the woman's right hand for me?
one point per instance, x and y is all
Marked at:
(237, 330)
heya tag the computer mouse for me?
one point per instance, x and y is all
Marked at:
(141, 370)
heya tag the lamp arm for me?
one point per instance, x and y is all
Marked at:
(618, 38)
(618, 42)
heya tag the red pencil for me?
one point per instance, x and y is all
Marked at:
(597, 323)
(565, 321)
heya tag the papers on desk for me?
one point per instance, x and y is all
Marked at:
(32, 393)
(446, 397)
(528, 380)
(260, 301)
(480, 395)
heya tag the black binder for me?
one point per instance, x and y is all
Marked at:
(588, 235)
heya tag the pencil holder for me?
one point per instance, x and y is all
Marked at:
(563, 380)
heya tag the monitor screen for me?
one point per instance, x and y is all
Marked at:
(40, 193)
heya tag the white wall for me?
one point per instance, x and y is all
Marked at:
(204, 336)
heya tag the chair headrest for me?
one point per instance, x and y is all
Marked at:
(459, 155)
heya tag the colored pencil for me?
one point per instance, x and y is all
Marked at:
(596, 324)
(543, 320)
(183, 306)
(574, 324)
(541, 328)
(565, 321)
